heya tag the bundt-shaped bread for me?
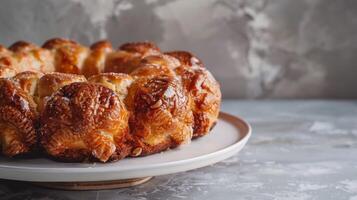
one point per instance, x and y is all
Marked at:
(102, 104)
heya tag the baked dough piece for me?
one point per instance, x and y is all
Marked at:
(160, 114)
(203, 89)
(51, 82)
(8, 67)
(30, 57)
(95, 63)
(69, 56)
(205, 95)
(156, 65)
(28, 81)
(129, 57)
(185, 58)
(142, 48)
(152, 70)
(18, 119)
(118, 82)
(85, 121)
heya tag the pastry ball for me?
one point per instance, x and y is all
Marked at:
(160, 114)
(28, 81)
(69, 55)
(51, 82)
(186, 58)
(8, 66)
(85, 121)
(156, 65)
(22, 46)
(142, 48)
(18, 119)
(30, 57)
(129, 57)
(122, 62)
(95, 63)
(205, 95)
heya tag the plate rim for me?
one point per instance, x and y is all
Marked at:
(181, 165)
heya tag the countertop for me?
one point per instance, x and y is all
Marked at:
(299, 150)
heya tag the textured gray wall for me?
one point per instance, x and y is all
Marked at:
(255, 48)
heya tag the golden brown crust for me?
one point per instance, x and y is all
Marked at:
(152, 70)
(51, 82)
(160, 115)
(122, 62)
(156, 65)
(30, 57)
(8, 65)
(95, 63)
(28, 81)
(143, 48)
(186, 58)
(161, 60)
(136, 65)
(205, 96)
(17, 119)
(129, 57)
(83, 121)
(118, 82)
(22, 46)
(102, 45)
(69, 55)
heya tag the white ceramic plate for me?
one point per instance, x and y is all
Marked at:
(226, 139)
